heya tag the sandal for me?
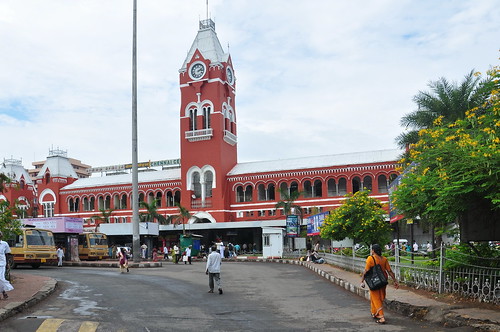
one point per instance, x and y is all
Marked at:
(5, 296)
(380, 321)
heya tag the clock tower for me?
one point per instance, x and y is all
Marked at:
(207, 125)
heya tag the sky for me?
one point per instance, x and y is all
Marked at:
(313, 78)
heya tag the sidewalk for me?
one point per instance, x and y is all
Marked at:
(30, 289)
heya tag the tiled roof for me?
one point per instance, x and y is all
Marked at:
(153, 176)
(316, 162)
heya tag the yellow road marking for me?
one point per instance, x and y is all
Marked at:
(50, 325)
(88, 327)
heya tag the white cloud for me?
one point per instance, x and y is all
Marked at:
(313, 77)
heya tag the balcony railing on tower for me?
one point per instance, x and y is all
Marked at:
(199, 135)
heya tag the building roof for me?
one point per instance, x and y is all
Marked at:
(207, 42)
(153, 176)
(58, 166)
(355, 158)
(15, 170)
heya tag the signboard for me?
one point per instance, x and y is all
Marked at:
(292, 225)
(57, 224)
(315, 222)
(146, 164)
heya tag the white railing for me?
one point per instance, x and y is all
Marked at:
(199, 135)
(475, 282)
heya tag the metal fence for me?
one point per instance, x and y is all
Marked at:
(475, 282)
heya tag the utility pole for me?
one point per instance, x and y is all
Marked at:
(136, 237)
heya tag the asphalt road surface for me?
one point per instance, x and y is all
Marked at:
(257, 297)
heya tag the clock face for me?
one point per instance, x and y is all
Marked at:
(197, 70)
(229, 75)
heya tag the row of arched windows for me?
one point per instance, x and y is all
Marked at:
(121, 201)
(315, 188)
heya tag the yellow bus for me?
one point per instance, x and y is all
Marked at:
(93, 246)
(33, 247)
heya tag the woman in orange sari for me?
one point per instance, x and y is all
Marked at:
(377, 296)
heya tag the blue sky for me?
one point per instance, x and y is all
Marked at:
(313, 77)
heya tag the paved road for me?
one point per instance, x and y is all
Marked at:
(257, 297)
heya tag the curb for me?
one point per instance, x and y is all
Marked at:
(16, 307)
(113, 264)
(437, 314)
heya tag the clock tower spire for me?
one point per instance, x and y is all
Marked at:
(207, 123)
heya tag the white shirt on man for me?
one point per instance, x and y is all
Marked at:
(213, 262)
(4, 249)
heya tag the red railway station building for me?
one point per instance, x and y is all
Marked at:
(230, 200)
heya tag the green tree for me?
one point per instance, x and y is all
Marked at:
(360, 218)
(447, 100)
(453, 171)
(4, 179)
(9, 225)
(151, 213)
(103, 217)
(288, 202)
(181, 218)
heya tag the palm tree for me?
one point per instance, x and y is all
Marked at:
(151, 213)
(103, 217)
(445, 99)
(288, 202)
(180, 218)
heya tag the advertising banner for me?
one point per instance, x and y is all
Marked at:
(57, 224)
(292, 225)
(315, 222)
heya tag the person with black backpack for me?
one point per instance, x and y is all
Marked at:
(378, 288)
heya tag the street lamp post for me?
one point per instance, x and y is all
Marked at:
(135, 177)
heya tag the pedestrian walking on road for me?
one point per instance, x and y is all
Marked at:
(377, 297)
(165, 253)
(188, 255)
(177, 253)
(214, 262)
(123, 260)
(5, 285)
(60, 255)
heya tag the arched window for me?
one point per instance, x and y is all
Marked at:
(21, 184)
(116, 202)
(270, 192)
(196, 184)
(100, 203)
(318, 188)
(240, 194)
(342, 187)
(206, 117)
(392, 177)
(107, 202)
(92, 204)
(367, 183)
(294, 187)
(332, 188)
(193, 112)
(47, 178)
(261, 192)
(356, 184)
(123, 202)
(382, 184)
(283, 189)
(177, 197)
(71, 206)
(159, 196)
(77, 204)
(141, 197)
(209, 179)
(170, 198)
(151, 197)
(86, 206)
(248, 193)
(308, 190)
